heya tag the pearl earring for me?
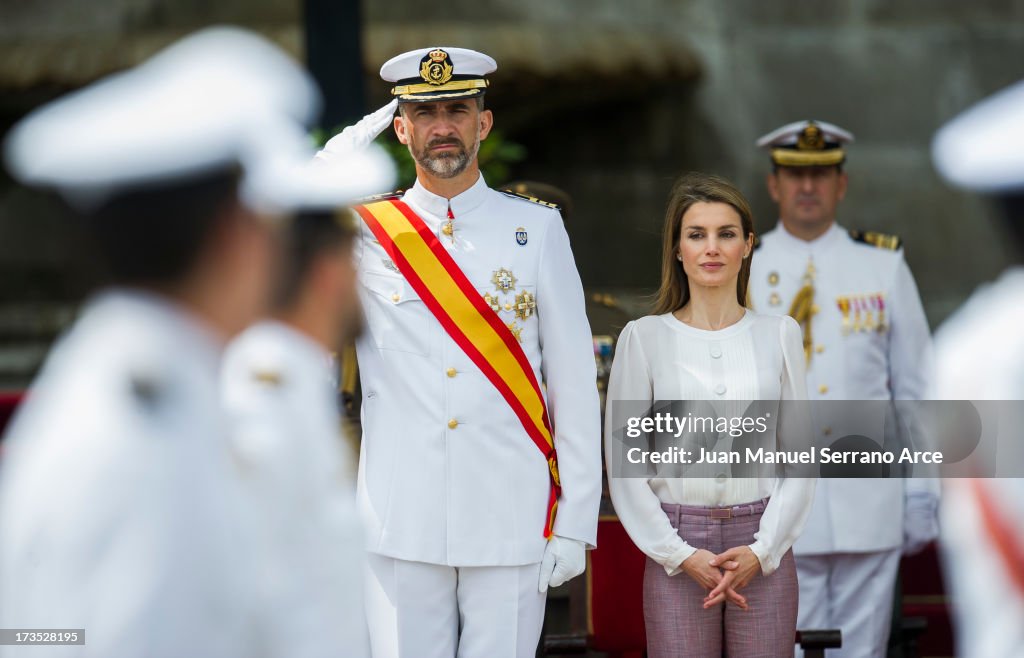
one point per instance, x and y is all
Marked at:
(679, 258)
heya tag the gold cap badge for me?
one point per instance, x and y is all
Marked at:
(436, 67)
(810, 139)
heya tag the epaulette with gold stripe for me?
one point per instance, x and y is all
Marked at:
(378, 197)
(757, 242)
(532, 199)
(875, 239)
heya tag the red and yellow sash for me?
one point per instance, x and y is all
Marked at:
(1000, 531)
(468, 319)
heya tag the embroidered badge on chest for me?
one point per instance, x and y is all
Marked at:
(503, 280)
(521, 236)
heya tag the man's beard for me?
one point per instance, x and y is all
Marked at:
(447, 164)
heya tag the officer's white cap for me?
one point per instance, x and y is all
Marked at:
(807, 143)
(438, 73)
(983, 148)
(212, 99)
(291, 183)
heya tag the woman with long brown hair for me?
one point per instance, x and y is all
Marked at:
(720, 573)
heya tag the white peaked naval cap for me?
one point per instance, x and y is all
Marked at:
(297, 182)
(983, 148)
(808, 143)
(217, 97)
(438, 73)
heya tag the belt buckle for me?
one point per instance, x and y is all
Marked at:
(721, 513)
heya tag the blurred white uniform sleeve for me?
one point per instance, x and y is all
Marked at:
(636, 504)
(784, 517)
(911, 368)
(570, 375)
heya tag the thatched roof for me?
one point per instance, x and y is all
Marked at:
(71, 60)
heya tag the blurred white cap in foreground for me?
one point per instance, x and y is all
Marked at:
(983, 148)
(220, 97)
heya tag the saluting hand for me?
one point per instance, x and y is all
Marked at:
(740, 565)
(361, 134)
(701, 566)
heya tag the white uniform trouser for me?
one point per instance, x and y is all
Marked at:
(421, 610)
(852, 592)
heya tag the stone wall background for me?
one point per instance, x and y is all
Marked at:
(612, 101)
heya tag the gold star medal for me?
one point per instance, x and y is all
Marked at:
(493, 302)
(504, 280)
(516, 330)
(525, 305)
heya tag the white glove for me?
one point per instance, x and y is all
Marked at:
(360, 135)
(564, 559)
(920, 522)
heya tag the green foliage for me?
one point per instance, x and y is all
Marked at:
(497, 156)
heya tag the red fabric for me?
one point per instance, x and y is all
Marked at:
(616, 578)
(1001, 533)
(9, 401)
(924, 596)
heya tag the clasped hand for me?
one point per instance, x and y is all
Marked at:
(724, 574)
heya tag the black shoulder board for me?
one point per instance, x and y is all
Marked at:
(532, 199)
(757, 242)
(378, 197)
(875, 239)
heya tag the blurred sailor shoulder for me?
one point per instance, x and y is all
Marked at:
(117, 471)
(286, 429)
(299, 477)
(120, 504)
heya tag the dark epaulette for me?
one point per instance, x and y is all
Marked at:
(378, 197)
(757, 242)
(875, 239)
(532, 199)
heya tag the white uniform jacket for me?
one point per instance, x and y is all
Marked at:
(447, 474)
(119, 507)
(851, 515)
(286, 433)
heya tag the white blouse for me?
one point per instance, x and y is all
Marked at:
(660, 358)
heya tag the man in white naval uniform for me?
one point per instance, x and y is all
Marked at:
(286, 430)
(866, 338)
(454, 491)
(119, 504)
(979, 355)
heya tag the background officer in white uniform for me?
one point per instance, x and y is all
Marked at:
(980, 356)
(454, 491)
(297, 469)
(866, 338)
(119, 507)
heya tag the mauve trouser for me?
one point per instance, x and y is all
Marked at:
(679, 626)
